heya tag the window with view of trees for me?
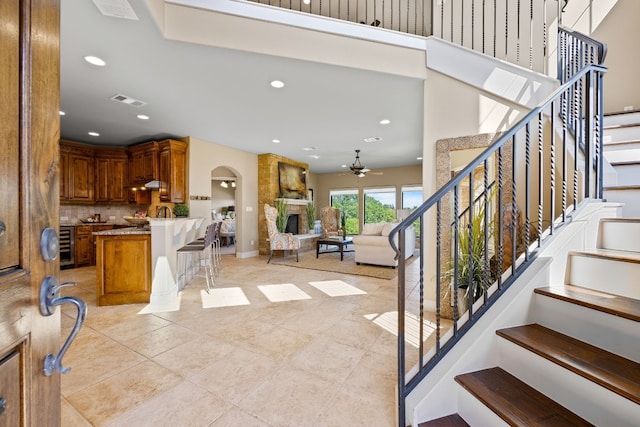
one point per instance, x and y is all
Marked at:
(347, 202)
(379, 205)
(411, 199)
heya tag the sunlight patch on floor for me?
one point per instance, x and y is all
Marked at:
(223, 297)
(283, 292)
(389, 322)
(336, 288)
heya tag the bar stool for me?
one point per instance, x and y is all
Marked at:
(191, 258)
(215, 249)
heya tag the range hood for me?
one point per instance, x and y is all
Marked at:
(154, 184)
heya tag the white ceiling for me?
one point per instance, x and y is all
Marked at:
(223, 96)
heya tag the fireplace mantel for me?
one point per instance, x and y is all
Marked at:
(296, 201)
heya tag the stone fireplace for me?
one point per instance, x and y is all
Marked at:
(268, 191)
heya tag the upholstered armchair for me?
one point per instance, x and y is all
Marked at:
(330, 220)
(278, 241)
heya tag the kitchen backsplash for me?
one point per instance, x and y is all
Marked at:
(72, 214)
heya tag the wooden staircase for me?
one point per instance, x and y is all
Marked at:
(578, 362)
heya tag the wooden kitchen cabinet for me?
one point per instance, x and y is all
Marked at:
(83, 241)
(123, 268)
(76, 174)
(143, 163)
(172, 164)
(85, 253)
(111, 176)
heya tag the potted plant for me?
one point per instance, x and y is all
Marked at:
(281, 219)
(473, 276)
(311, 215)
(181, 210)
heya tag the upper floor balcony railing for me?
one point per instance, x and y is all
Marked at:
(518, 31)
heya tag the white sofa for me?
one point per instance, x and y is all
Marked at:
(372, 246)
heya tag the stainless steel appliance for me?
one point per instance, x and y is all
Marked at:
(67, 246)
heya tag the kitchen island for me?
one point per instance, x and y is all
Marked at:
(123, 266)
(167, 236)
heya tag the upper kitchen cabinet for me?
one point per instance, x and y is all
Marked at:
(111, 173)
(76, 174)
(143, 163)
(172, 163)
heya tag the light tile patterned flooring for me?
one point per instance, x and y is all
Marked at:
(317, 361)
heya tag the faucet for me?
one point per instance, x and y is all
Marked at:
(161, 212)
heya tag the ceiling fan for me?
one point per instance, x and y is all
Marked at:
(358, 170)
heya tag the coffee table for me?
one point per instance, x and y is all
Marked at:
(340, 242)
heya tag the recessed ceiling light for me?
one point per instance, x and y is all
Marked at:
(94, 134)
(313, 156)
(309, 148)
(418, 158)
(142, 117)
(94, 60)
(385, 121)
(277, 84)
(275, 141)
(373, 139)
(343, 166)
(62, 113)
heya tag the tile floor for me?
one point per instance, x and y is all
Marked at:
(319, 361)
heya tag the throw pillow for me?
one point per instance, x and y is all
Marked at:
(386, 229)
(373, 229)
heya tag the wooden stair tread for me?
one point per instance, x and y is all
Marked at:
(515, 402)
(613, 372)
(615, 305)
(453, 420)
(612, 254)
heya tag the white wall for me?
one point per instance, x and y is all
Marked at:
(204, 157)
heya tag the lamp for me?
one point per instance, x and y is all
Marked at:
(233, 184)
(224, 184)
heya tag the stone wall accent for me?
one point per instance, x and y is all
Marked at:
(444, 147)
(268, 191)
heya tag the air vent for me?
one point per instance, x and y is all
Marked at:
(116, 9)
(128, 100)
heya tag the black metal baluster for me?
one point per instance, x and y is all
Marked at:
(514, 222)
(500, 213)
(438, 269)
(471, 286)
(486, 224)
(552, 175)
(527, 189)
(540, 173)
(563, 103)
(456, 254)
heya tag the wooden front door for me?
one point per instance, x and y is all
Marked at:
(29, 204)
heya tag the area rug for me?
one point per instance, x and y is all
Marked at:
(331, 262)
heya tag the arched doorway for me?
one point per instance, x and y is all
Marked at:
(224, 190)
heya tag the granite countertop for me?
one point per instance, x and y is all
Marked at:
(122, 231)
(94, 224)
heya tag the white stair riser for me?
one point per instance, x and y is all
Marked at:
(607, 275)
(612, 333)
(613, 135)
(621, 119)
(581, 396)
(629, 198)
(627, 175)
(620, 235)
(470, 408)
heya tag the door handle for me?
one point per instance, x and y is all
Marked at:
(49, 299)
